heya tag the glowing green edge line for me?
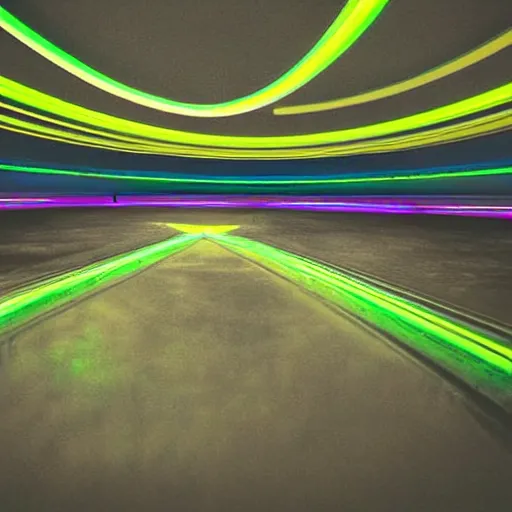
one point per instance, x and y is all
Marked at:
(224, 181)
(352, 21)
(25, 95)
(27, 303)
(471, 354)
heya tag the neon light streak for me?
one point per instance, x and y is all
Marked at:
(72, 126)
(502, 212)
(347, 206)
(481, 359)
(488, 124)
(38, 133)
(494, 122)
(484, 125)
(22, 200)
(353, 20)
(260, 181)
(29, 302)
(194, 229)
(473, 105)
(485, 51)
(57, 202)
(110, 142)
(379, 205)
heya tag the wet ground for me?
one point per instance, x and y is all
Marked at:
(207, 383)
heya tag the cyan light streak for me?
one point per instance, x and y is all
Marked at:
(388, 176)
(263, 191)
(352, 21)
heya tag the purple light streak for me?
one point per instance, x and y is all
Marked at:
(363, 204)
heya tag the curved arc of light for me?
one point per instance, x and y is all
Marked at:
(120, 140)
(67, 140)
(488, 49)
(66, 124)
(349, 25)
(486, 125)
(475, 104)
(327, 180)
(140, 143)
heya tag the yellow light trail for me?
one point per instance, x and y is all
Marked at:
(485, 51)
(352, 21)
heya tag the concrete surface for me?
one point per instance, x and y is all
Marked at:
(207, 384)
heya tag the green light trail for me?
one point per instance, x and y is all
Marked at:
(485, 51)
(352, 21)
(326, 180)
(481, 359)
(24, 95)
(25, 304)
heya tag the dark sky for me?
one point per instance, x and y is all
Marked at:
(215, 50)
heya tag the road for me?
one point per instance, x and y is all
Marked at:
(461, 261)
(207, 383)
